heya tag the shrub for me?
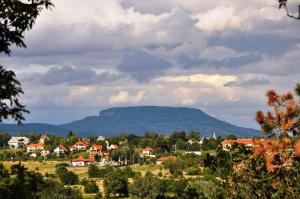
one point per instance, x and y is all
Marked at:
(193, 171)
(98, 195)
(91, 187)
(95, 172)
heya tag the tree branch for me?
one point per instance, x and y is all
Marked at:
(288, 13)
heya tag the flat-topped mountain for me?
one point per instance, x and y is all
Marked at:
(139, 119)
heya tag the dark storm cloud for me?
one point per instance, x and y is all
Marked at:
(142, 66)
(248, 82)
(74, 76)
(256, 43)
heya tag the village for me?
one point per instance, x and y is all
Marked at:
(87, 152)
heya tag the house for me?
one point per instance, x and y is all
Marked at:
(101, 138)
(61, 149)
(80, 145)
(161, 160)
(148, 151)
(81, 161)
(193, 141)
(16, 142)
(43, 138)
(96, 150)
(111, 147)
(228, 143)
(34, 147)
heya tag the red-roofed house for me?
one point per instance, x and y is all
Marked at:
(81, 161)
(148, 151)
(61, 149)
(247, 142)
(95, 150)
(79, 145)
(34, 147)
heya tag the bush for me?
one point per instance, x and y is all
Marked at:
(193, 171)
(95, 172)
(177, 173)
(160, 174)
(98, 196)
(69, 178)
(91, 187)
(66, 177)
(128, 172)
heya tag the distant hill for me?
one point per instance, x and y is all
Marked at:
(33, 128)
(139, 119)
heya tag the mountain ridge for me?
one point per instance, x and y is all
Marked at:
(138, 120)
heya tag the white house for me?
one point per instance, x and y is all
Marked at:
(34, 147)
(101, 138)
(147, 151)
(79, 145)
(80, 161)
(61, 149)
(228, 143)
(16, 142)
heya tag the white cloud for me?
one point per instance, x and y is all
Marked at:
(125, 97)
(214, 80)
(217, 19)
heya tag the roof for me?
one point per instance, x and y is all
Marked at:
(82, 159)
(63, 147)
(98, 147)
(35, 145)
(166, 158)
(239, 141)
(106, 154)
(148, 149)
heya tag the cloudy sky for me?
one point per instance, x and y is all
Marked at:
(219, 56)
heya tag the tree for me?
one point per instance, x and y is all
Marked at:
(90, 186)
(66, 177)
(231, 137)
(115, 184)
(283, 4)
(285, 116)
(4, 138)
(148, 187)
(16, 17)
(10, 90)
(194, 135)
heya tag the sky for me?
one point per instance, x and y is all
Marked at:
(218, 56)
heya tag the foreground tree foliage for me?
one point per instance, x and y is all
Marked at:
(15, 18)
(285, 117)
(283, 5)
(22, 184)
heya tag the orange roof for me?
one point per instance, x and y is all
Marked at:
(36, 145)
(239, 141)
(81, 143)
(82, 159)
(148, 149)
(98, 147)
(106, 154)
(166, 158)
